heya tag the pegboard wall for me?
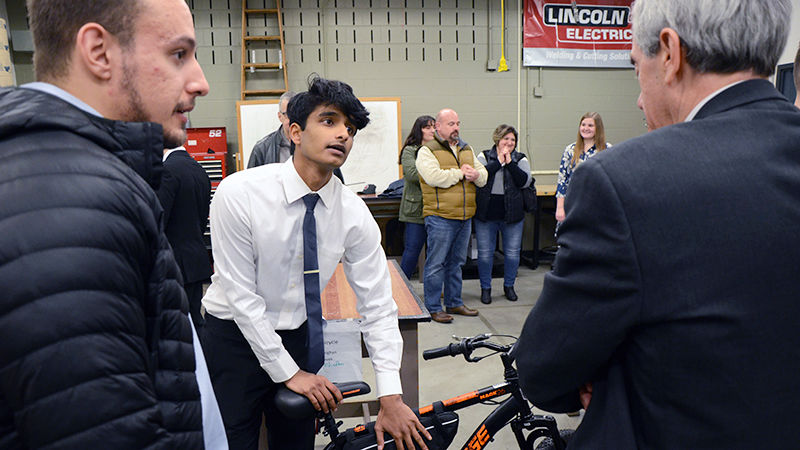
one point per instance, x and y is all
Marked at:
(348, 31)
(431, 54)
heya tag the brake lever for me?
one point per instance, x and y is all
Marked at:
(479, 338)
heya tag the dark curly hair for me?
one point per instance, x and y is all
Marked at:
(328, 93)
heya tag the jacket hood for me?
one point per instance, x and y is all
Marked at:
(138, 144)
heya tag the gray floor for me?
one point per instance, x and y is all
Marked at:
(444, 378)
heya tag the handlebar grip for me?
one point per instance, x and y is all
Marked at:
(450, 350)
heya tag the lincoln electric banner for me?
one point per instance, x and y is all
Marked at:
(583, 33)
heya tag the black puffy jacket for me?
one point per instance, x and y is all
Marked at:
(95, 344)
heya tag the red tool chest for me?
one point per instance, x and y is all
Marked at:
(209, 147)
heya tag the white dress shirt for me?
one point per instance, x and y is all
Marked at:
(257, 240)
(213, 429)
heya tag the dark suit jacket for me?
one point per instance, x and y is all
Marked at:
(677, 285)
(185, 194)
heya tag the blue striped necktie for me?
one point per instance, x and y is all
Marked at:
(314, 342)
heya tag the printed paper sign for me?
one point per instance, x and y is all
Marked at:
(342, 351)
(569, 33)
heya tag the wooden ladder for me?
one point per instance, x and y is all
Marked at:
(253, 84)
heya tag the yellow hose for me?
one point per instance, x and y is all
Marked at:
(502, 66)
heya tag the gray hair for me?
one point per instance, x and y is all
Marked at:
(287, 96)
(719, 36)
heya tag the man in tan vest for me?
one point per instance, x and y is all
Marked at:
(448, 173)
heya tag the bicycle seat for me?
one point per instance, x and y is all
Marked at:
(296, 406)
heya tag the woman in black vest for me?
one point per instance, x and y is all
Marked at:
(499, 208)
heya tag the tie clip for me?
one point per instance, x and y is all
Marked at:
(306, 272)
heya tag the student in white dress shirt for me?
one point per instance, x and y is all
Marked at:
(255, 337)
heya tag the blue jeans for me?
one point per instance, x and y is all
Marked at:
(414, 240)
(486, 234)
(447, 252)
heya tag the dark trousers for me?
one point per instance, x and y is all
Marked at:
(194, 292)
(244, 391)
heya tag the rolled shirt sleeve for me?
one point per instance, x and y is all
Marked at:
(430, 172)
(483, 174)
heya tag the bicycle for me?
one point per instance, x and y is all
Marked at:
(514, 411)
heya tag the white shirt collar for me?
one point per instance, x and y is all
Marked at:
(703, 102)
(295, 188)
(169, 152)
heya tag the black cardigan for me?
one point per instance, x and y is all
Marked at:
(514, 179)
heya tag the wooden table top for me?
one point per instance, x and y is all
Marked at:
(339, 300)
(545, 190)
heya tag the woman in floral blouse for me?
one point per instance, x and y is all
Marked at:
(591, 139)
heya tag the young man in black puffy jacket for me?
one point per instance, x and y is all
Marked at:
(97, 348)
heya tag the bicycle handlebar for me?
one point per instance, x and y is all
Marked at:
(450, 350)
(465, 347)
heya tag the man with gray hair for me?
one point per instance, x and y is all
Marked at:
(671, 315)
(274, 147)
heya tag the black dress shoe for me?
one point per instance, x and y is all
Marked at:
(486, 296)
(510, 294)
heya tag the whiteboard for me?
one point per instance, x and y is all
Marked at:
(373, 158)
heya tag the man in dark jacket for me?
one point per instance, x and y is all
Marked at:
(274, 147)
(185, 195)
(671, 315)
(97, 347)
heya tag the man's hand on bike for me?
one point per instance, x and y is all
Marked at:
(321, 392)
(397, 419)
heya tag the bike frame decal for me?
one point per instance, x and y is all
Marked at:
(470, 398)
(479, 439)
(493, 393)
